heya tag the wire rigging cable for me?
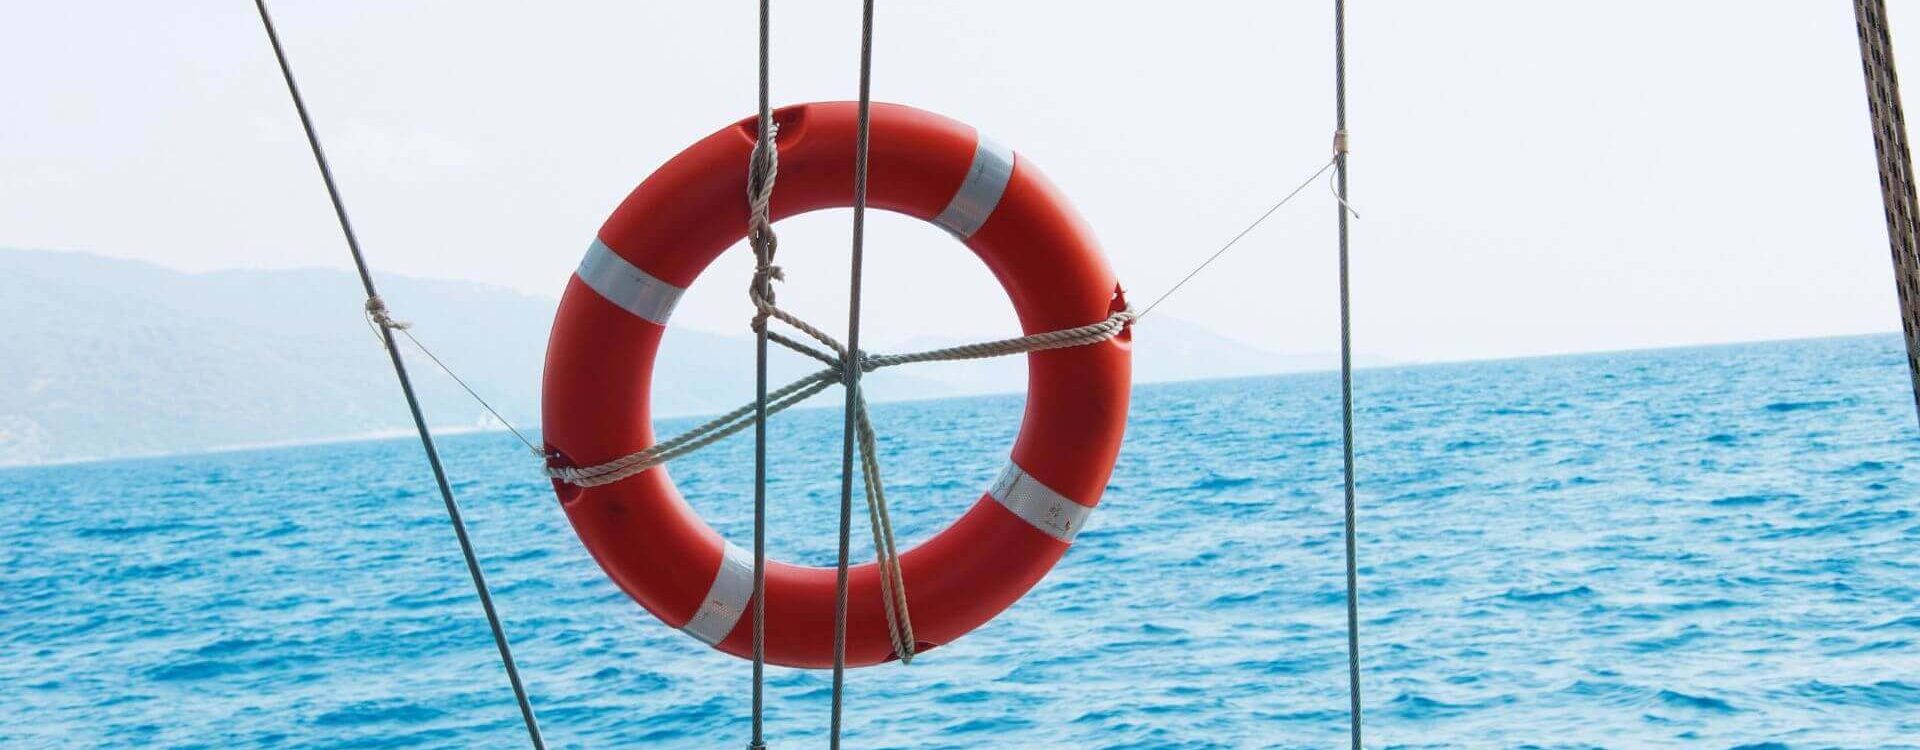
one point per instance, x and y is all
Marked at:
(760, 236)
(1284, 200)
(1346, 364)
(851, 373)
(1896, 170)
(377, 312)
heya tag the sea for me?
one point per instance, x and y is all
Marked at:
(1692, 548)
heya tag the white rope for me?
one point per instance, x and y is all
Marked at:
(1268, 214)
(799, 390)
(699, 437)
(893, 584)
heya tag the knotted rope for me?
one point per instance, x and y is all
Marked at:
(762, 169)
(763, 245)
(806, 387)
(380, 320)
(380, 317)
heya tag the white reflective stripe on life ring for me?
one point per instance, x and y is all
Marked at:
(986, 181)
(626, 285)
(1038, 504)
(726, 599)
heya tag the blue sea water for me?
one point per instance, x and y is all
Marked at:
(1702, 548)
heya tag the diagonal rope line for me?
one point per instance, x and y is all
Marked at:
(799, 390)
(1091, 333)
(893, 584)
(699, 437)
(469, 389)
(1238, 237)
(803, 348)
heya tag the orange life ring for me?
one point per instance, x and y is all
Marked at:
(608, 328)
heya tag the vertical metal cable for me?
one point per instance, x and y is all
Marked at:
(1346, 364)
(850, 376)
(406, 387)
(1896, 170)
(765, 283)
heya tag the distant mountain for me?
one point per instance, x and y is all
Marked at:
(105, 357)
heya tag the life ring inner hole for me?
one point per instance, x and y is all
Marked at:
(943, 429)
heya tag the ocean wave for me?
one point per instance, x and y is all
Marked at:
(1693, 701)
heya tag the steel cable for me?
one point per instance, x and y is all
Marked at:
(851, 374)
(377, 311)
(1346, 367)
(1896, 170)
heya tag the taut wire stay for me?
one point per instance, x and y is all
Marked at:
(377, 312)
(1896, 170)
(851, 373)
(1346, 365)
(760, 174)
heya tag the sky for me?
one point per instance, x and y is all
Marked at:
(1532, 178)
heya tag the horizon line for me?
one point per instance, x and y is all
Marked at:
(406, 433)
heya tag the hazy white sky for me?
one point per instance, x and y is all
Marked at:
(1534, 177)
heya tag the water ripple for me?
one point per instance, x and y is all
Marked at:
(1699, 548)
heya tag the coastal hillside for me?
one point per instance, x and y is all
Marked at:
(107, 357)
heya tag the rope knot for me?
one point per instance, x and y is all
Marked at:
(760, 291)
(378, 313)
(763, 167)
